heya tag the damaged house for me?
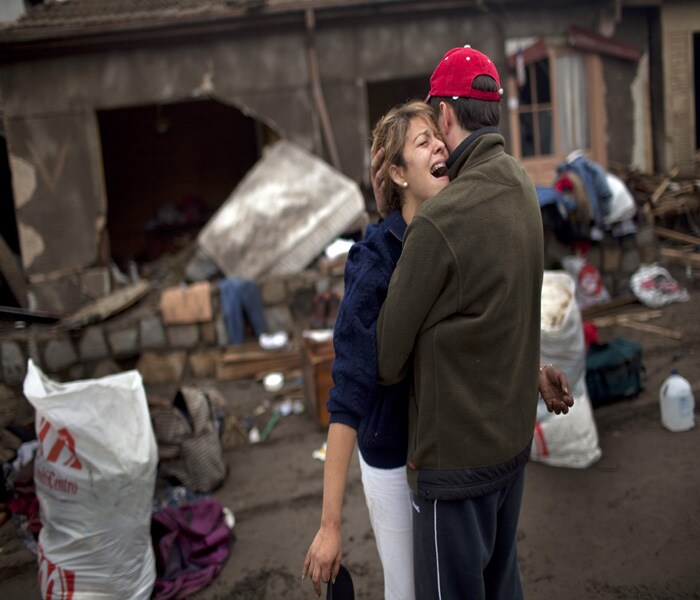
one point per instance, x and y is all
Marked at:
(127, 125)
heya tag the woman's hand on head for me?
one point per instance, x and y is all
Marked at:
(377, 175)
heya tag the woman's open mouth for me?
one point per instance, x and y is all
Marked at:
(438, 169)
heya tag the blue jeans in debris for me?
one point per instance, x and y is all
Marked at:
(241, 297)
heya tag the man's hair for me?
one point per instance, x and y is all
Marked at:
(473, 114)
(390, 133)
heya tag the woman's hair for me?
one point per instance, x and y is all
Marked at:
(390, 133)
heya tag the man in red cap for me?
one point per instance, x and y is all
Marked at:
(463, 315)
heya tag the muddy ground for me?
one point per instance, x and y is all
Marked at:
(626, 527)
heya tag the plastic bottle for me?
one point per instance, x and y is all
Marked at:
(677, 403)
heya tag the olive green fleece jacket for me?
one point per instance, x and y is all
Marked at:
(463, 311)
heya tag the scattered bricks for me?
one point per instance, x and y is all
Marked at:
(166, 368)
(96, 282)
(203, 364)
(14, 363)
(77, 371)
(92, 345)
(33, 350)
(306, 280)
(152, 333)
(279, 318)
(62, 296)
(302, 306)
(124, 342)
(186, 304)
(208, 333)
(273, 291)
(182, 336)
(104, 368)
(59, 354)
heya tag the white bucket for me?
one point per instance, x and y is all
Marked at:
(677, 403)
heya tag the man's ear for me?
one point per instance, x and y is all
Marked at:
(396, 175)
(445, 118)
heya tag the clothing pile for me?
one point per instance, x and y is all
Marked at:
(586, 202)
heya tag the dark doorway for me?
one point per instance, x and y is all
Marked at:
(383, 95)
(8, 222)
(168, 168)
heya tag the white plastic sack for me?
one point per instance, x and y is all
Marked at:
(622, 204)
(569, 440)
(561, 332)
(590, 288)
(654, 287)
(95, 473)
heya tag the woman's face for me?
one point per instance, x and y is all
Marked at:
(424, 153)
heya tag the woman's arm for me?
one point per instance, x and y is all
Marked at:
(323, 558)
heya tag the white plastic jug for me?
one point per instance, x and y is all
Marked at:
(677, 403)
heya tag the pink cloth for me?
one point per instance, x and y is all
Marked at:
(191, 544)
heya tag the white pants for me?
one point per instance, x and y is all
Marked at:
(389, 503)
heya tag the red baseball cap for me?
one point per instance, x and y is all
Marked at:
(456, 72)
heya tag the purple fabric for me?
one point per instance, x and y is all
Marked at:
(191, 544)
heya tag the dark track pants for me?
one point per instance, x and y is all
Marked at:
(466, 549)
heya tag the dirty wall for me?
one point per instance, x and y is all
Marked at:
(53, 139)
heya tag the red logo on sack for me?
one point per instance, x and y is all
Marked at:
(54, 582)
(589, 280)
(62, 445)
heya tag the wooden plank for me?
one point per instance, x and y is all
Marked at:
(676, 205)
(679, 256)
(662, 188)
(616, 319)
(597, 309)
(108, 305)
(671, 333)
(676, 235)
(247, 352)
(254, 368)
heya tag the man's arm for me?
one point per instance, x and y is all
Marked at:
(554, 389)
(417, 282)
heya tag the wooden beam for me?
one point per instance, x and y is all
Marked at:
(676, 235)
(597, 309)
(317, 90)
(684, 258)
(670, 333)
(662, 187)
(14, 275)
(616, 319)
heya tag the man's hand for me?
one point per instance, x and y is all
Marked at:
(323, 558)
(376, 171)
(554, 389)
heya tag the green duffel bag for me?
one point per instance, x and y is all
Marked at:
(614, 371)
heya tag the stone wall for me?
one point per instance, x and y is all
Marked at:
(139, 338)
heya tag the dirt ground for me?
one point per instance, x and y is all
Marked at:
(626, 527)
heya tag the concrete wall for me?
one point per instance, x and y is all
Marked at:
(54, 143)
(141, 338)
(627, 97)
(679, 20)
